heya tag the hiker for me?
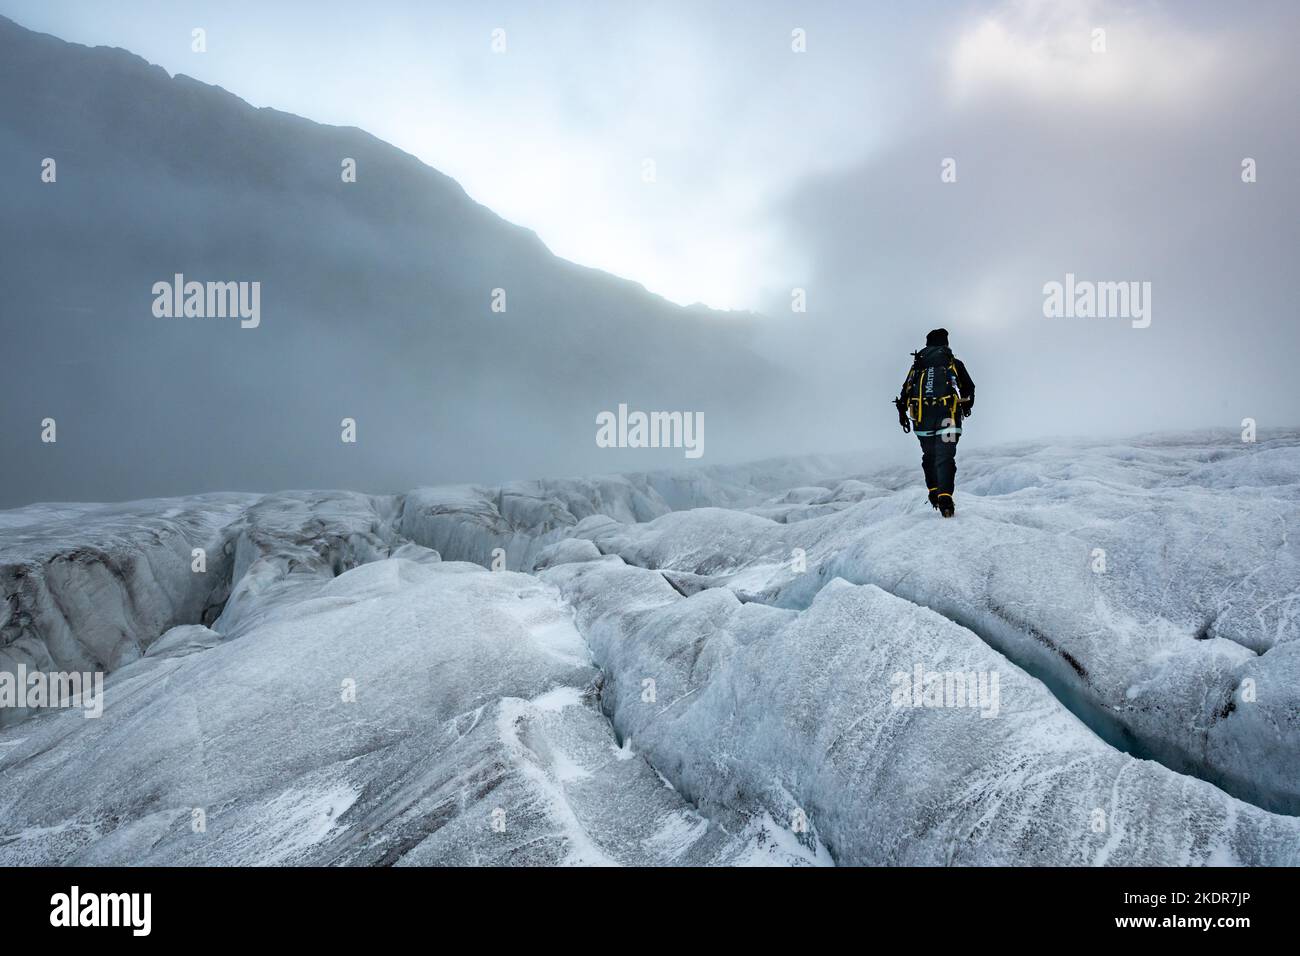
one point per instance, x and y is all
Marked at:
(936, 395)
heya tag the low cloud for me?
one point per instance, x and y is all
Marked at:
(1131, 173)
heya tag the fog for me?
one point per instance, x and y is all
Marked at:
(376, 306)
(1116, 166)
(821, 174)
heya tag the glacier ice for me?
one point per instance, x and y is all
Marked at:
(380, 716)
(89, 586)
(792, 712)
(697, 667)
(1155, 588)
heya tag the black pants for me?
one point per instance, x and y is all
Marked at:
(939, 459)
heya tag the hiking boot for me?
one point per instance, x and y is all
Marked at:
(945, 505)
(934, 497)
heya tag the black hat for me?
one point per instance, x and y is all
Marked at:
(936, 337)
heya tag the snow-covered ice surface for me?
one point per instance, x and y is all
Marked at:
(794, 712)
(88, 586)
(1154, 586)
(702, 668)
(471, 697)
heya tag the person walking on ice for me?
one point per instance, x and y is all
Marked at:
(936, 395)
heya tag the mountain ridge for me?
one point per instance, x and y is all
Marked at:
(380, 289)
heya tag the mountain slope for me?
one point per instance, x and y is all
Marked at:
(375, 305)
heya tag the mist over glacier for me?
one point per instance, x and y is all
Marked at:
(378, 293)
(376, 305)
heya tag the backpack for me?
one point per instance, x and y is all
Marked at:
(934, 394)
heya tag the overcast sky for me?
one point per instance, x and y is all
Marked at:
(553, 133)
(821, 170)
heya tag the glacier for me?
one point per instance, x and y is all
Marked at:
(695, 667)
